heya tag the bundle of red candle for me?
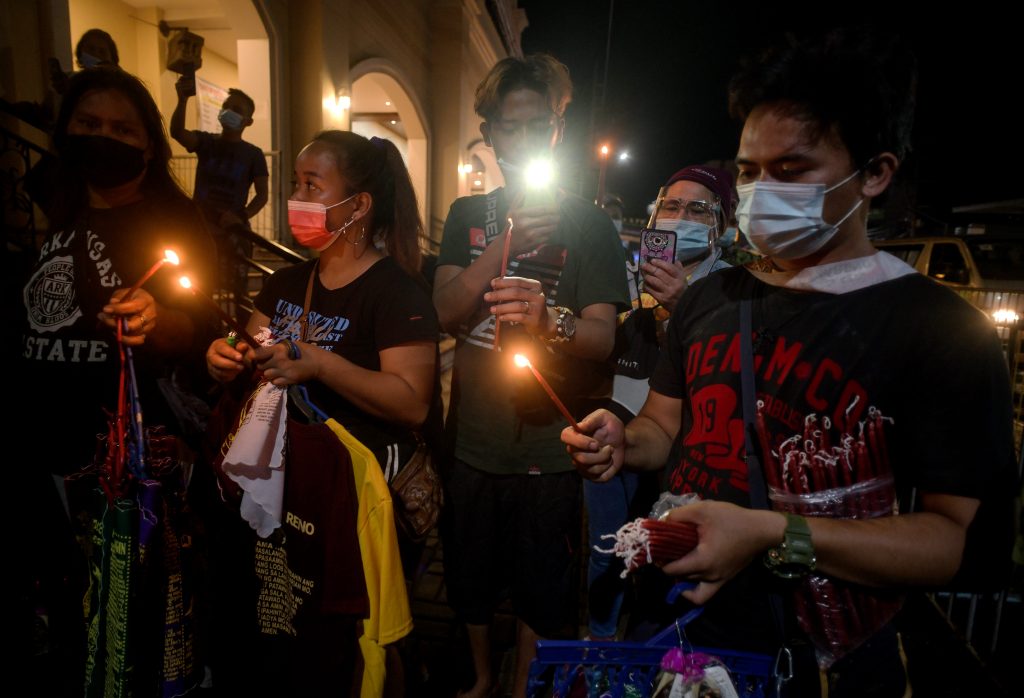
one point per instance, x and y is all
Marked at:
(651, 541)
(810, 475)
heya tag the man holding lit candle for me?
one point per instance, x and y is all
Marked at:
(513, 504)
(846, 359)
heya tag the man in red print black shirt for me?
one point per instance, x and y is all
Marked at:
(868, 380)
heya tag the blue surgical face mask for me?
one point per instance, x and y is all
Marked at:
(692, 238)
(230, 120)
(784, 219)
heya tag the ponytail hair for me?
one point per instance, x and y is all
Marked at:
(375, 166)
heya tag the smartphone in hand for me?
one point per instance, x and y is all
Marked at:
(657, 244)
(540, 197)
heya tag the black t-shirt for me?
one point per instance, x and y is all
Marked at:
(381, 309)
(224, 173)
(914, 350)
(504, 421)
(70, 360)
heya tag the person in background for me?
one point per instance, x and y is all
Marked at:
(95, 49)
(612, 205)
(846, 347)
(512, 504)
(696, 205)
(227, 168)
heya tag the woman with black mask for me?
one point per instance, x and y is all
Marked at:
(115, 209)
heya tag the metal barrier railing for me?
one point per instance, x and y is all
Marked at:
(23, 222)
(263, 223)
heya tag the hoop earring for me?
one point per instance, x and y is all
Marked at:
(362, 233)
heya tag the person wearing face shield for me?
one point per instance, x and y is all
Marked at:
(227, 168)
(696, 204)
(802, 396)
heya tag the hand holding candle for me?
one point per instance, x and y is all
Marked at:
(228, 320)
(522, 362)
(504, 268)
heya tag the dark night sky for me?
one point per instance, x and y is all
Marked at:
(671, 63)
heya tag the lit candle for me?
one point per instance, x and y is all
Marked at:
(522, 361)
(228, 320)
(170, 257)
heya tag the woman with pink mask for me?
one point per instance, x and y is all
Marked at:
(356, 328)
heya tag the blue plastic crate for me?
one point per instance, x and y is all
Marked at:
(633, 667)
(629, 668)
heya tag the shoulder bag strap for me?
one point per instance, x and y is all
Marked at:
(783, 670)
(755, 474)
(304, 322)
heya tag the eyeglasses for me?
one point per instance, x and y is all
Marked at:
(692, 208)
(535, 128)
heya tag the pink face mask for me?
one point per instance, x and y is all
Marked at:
(308, 222)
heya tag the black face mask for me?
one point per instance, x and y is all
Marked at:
(104, 162)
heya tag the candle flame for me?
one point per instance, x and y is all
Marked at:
(185, 282)
(172, 257)
(521, 361)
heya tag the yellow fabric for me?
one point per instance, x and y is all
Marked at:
(390, 618)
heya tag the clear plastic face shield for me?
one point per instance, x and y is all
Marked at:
(694, 221)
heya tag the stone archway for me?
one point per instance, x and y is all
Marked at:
(480, 173)
(383, 106)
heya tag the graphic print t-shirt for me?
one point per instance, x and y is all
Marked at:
(504, 421)
(914, 350)
(381, 309)
(70, 360)
(921, 355)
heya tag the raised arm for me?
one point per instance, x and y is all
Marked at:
(186, 87)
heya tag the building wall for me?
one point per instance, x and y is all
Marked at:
(436, 52)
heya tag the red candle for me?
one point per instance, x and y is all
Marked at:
(228, 320)
(170, 257)
(523, 361)
(504, 266)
